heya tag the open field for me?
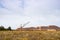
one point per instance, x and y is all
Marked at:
(29, 35)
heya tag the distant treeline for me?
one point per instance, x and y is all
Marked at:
(2, 28)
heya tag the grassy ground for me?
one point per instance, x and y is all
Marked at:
(29, 35)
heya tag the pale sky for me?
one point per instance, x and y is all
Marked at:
(38, 12)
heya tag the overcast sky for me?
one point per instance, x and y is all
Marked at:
(38, 12)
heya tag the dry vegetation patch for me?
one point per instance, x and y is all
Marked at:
(29, 35)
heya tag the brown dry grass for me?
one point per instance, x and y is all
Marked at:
(29, 35)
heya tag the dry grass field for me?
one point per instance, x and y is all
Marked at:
(29, 35)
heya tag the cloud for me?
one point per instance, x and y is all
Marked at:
(12, 5)
(43, 11)
(11, 13)
(13, 20)
(38, 12)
